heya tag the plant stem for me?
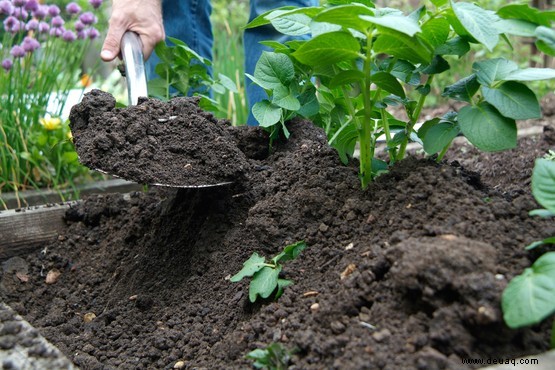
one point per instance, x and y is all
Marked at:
(391, 149)
(365, 131)
(412, 121)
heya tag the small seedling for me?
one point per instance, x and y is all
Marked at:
(530, 297)
(265, 274)
(273, 357)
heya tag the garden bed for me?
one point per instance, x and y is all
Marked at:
(407, 274)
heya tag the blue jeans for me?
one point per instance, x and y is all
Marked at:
(189, 21)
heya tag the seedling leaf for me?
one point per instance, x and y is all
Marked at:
(530, 297)
(464, 89)
(290, 252)
(274, 69)
(531, 74)
(264, 282)
(477, 22)
(266, 113)
(492, 70)
(328, 48)
(250, 267)
(543, 178)
(513, 100)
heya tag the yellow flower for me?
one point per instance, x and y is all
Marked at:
(51, 123)
(70, 136)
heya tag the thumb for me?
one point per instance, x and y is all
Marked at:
(112, 44)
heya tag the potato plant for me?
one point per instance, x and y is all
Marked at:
(362, 60)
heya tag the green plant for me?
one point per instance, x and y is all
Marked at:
(265, 274)
(363, 60)
(273, 357)
(530, 297)
(41, 52)
(182, 71)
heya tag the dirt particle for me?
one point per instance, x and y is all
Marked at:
(348, 271)
(381, 335)
(52, 276)
(89, 317)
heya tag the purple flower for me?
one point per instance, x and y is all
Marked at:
(57, 22)
(12, 24)
(40, 12)
(69, 36)
(83, 34)
(53, 10)
(20, 13)
(30, 44)
(32, 25)
(44, 27)
(19, 3)
(95, 3)
(73, 8)
(32, 5)
(6, 7)
(79, 26)
(57, 32)
(87, 18)
(93, 33)
(17, 51)
(7, 64)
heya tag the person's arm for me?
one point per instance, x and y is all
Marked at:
(141, 16)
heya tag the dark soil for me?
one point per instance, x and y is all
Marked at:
(173, 143)
(405, 275)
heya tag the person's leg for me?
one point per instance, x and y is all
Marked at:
(188, 21)
(253, 48)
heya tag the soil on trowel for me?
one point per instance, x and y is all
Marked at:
(407, 274)
(170, 143)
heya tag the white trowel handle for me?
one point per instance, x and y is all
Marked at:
(132, 53)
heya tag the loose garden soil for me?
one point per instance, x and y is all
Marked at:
(407, 274)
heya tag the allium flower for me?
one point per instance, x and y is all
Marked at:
(17, 51)
(19, 3)
(32, 5)
(32, 25)
(95, 3)
(30, 44)
(69, 36)
(20, 13)
(53, 10)
(79, 26)
(41, 12)
(12, 24)
(83, 34)
(44, 27)
(6, 7)
(51, 123)
(57, 22)
(57, 31)
(93, 33)
(73, 8)
(87, 18)
(7, 64)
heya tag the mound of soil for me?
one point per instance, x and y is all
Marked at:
(154, 142)
(405, 275)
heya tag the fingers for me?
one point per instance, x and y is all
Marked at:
(143, 17)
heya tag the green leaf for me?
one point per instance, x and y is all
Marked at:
(546, 40)
(328, 48)
(540, 243)
(290, 252)
(492, 70)
(227, 83)
(274, 69)
(70, 157)
(439, 3)
(463, 90)
(439, 136)
(346, 77)
(455, 46)
(294, 24)
(436, 31)
(524, 12)
(266, 113)
(263, 282)
(254, 264)
(283, 98)
(544, 213)
(388, 83)
(344, 141)
(543, 183)
(438, 65)
(477, 22)
(346, 16)
(412, 49)
(398, 23)
(309, 103)
(531, 74)
(282, 283)
(516, 27)
(486, 129)
(265, 18)
(530, 297)
(513, 100)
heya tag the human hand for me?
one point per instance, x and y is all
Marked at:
(143, 17)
